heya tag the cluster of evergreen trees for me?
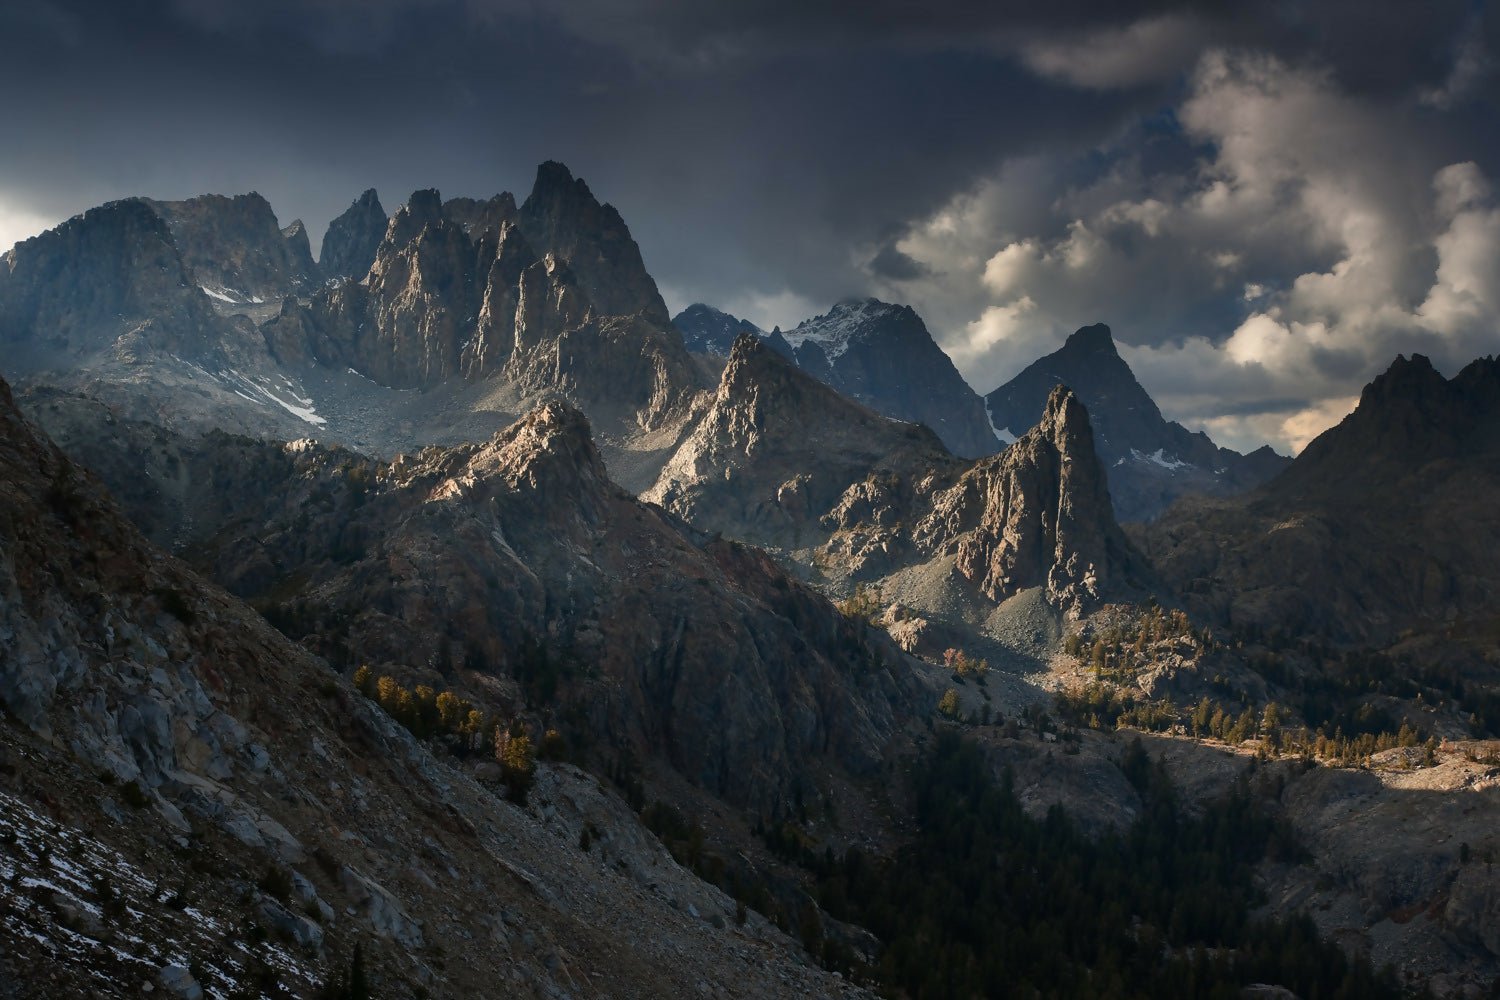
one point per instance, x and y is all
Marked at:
(986, 901)
(1127, 639)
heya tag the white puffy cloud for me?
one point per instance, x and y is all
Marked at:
(1305, 242)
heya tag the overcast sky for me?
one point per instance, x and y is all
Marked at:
(1266, 201)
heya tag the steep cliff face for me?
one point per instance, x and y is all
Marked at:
(1037, 515)
(1385, 522)
(420, 301)
(1149, 460)
(562, 216)
(107, 284)
(458, 290)
(477, 217)
(882, 355)
(350, 243)
(777, 449)
(237, 251)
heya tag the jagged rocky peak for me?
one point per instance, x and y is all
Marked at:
(706, 330)
(1038, 514)
(424, 208)
(561, 215)
(777, 448)
(551, 452)
(108, 281)
(833, 331)
(236, 249)
(871, 351)
(350, 243)
(297, 239)
(882, 354)
(477, 217)
(1150, 460)
(1095, 339)
(1385, 522)
(1407, 417)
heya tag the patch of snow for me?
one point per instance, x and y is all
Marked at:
(302, 412)
(1157, 458)
(300, 408)
(834, 329)
(1003, 434)
(218, 294)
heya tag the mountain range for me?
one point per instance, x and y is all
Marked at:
(871, 351)
(446, 598)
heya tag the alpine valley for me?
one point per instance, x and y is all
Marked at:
(441, 617)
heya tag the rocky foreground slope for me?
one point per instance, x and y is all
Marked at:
(192, 802)
(515, 567)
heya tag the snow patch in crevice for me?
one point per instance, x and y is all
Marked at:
(264, 389)
(1158, 458)
(220, 294)
(232, 296)
(1002, 434)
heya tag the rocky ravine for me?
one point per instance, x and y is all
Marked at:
(191, 801)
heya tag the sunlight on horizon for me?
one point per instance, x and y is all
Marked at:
(17, 224)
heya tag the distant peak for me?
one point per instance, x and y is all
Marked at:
(368, 199)
(552, 172)
(554, 180)
(1091, 340)
(1417, 364)
(425, 204)
(1406, 379)
(863, 305)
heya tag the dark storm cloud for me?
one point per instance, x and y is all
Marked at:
(1031, 160)
(893, 265)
